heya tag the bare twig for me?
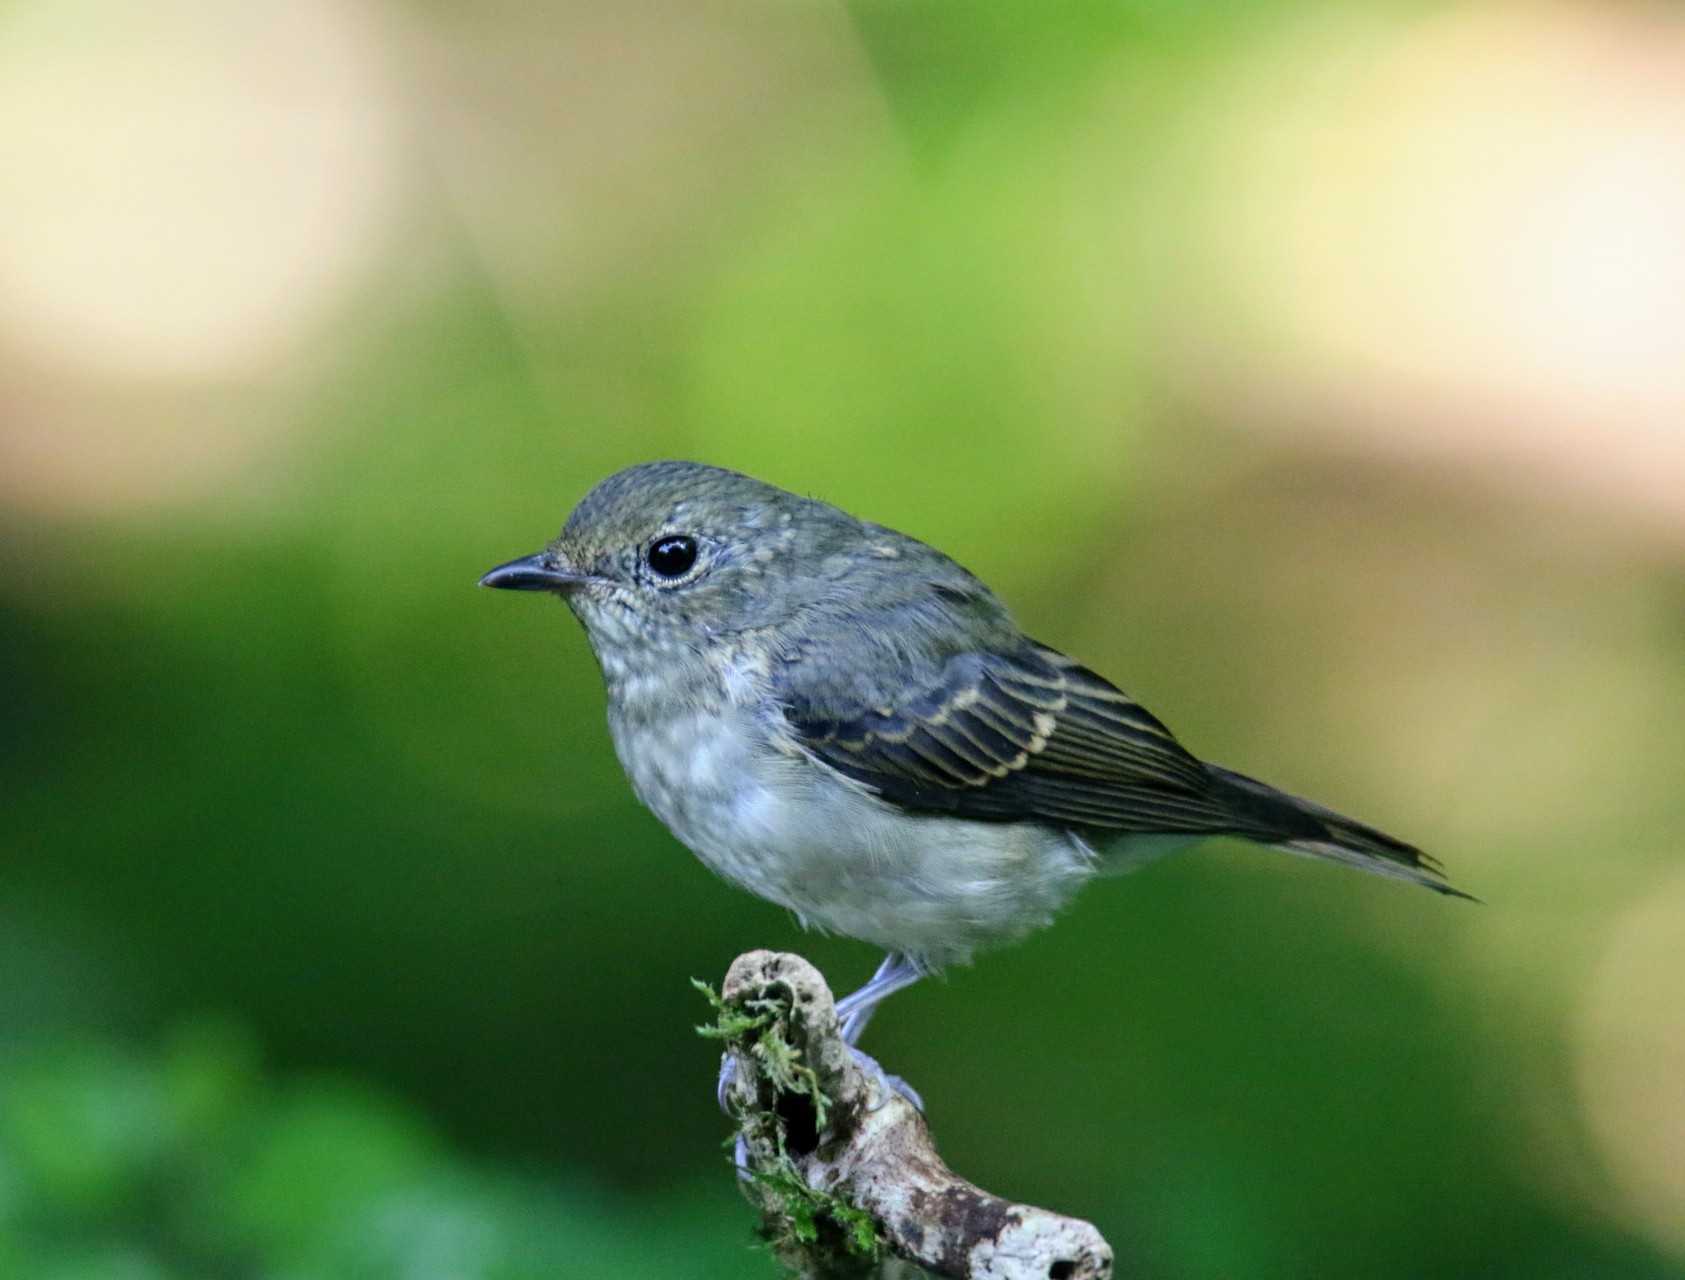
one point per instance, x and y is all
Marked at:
(843, 1168)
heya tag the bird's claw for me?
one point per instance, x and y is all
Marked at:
(867, 1063)
(728, 1073)
(871, 1066)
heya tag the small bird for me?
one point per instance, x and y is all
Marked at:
(842, 720)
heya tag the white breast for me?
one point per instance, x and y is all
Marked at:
(793, 831)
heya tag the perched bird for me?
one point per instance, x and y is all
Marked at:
(844, 721)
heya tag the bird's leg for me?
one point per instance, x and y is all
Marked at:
(855, 1010)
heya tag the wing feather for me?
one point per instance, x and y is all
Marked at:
(1028, 736)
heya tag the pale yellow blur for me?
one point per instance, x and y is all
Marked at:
(1461, 232)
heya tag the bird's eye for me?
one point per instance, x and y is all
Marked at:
(672, 557)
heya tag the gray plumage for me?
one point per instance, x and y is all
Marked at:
(845, 721)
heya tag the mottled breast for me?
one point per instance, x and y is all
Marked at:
(712, 759)
(698, 750)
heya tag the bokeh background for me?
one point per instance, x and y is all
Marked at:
(1315, 369)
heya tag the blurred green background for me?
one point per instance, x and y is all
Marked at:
(1316, 370)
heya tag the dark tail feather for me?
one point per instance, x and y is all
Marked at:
(1298, 826)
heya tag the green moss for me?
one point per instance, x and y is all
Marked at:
(815, 1232)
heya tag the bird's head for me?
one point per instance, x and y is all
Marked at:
(673, 555)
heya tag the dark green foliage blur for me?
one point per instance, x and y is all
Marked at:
(124, 1162)
(332, 941)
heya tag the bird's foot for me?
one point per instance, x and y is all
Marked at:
(722, 1087)
(871, 1066)
(867, 1063)
(728, 1073)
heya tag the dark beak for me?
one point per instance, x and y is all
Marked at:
(541, 572)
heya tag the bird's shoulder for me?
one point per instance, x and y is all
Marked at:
(891, 614)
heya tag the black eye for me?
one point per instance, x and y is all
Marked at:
(672, 557)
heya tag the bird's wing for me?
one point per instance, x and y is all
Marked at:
(1028, 736)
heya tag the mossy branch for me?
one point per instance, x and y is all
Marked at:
(843, 1168)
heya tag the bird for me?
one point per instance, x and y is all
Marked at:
(842, 720)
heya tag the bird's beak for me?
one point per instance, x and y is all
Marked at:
(541, 572)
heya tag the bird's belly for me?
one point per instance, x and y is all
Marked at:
(789, 830)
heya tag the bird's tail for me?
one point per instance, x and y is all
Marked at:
(1299, 826)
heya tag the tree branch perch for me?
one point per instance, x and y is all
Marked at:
(843, 1168)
